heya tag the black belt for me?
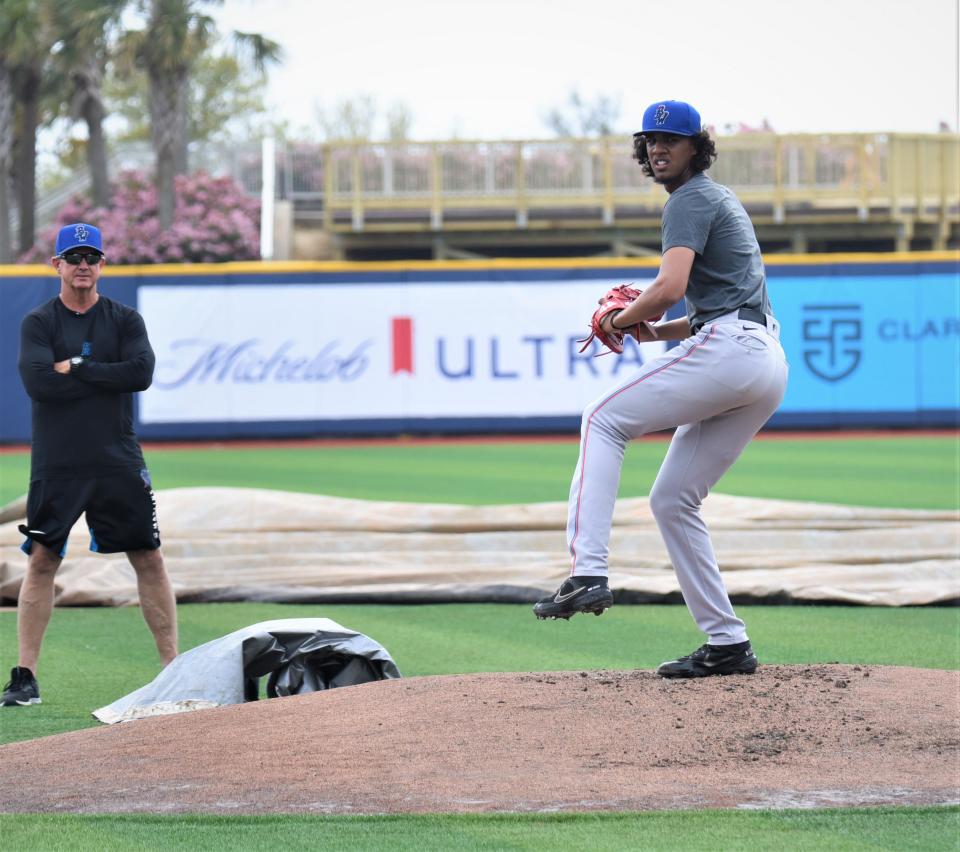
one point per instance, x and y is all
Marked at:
(750, 314)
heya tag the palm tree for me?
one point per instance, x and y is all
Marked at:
(177, 32)
(6, 158)
(26, 39)
(86, 29)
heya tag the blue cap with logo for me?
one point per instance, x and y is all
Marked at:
(78, 235)
(674, 117)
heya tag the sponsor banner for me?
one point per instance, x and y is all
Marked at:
(358, 351)
(859, 344)
(274, 352)
(251, 352)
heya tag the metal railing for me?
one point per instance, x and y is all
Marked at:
(860, 176)
(533, 183)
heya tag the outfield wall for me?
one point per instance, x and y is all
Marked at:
(295, 349)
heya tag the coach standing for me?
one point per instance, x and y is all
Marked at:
(82, 357)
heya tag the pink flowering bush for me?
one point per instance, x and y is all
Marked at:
(214, 221)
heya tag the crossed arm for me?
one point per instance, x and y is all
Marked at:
(47, 380)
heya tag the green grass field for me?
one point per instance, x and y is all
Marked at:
(906, 472)
(839, 830)
(92, 656)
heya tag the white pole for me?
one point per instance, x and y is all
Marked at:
(268, 183)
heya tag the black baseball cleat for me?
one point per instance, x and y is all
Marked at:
(712, 660)
(22, 690)
(577, 594)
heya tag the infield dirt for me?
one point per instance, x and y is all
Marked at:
(788, 736)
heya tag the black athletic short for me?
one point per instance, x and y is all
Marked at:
(120, 507)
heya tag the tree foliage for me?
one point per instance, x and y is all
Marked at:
(54, 56)
(358, 119)
(225, 100)
(214, 221)
(175, 35)
(86, 31)
(6, 161)
(583, 117)
(27, 38)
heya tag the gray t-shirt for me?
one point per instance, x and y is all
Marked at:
(727, 270)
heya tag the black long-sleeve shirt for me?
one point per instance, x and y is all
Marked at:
(83, 422)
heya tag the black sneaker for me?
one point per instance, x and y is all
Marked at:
(22, 689)
(577, 594)
(712, 660)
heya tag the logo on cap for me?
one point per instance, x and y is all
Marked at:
(80, 233)
(661, 115)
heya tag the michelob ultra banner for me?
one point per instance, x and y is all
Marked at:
(302, 349)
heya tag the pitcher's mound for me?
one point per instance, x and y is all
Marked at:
(789, 736)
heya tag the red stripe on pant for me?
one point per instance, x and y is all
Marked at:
(586, 438)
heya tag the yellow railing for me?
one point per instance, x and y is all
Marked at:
(581, 182)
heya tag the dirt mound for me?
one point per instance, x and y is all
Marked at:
(789, 736)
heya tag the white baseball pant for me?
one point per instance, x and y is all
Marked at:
(719, 387)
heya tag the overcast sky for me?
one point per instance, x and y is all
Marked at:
(494, 69)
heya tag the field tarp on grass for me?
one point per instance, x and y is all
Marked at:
(232, 544)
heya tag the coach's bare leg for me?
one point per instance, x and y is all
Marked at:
(35, 603)
(157, 601)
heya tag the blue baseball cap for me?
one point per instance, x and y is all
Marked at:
(78, 235)
(674, 117)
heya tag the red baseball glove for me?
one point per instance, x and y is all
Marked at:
(613, 301)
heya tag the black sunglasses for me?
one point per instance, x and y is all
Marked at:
(74, 258)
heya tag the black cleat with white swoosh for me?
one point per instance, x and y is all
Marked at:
(712, 660)
(577, 594)
(22, 690)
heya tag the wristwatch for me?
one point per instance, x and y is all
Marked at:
(75, 362)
